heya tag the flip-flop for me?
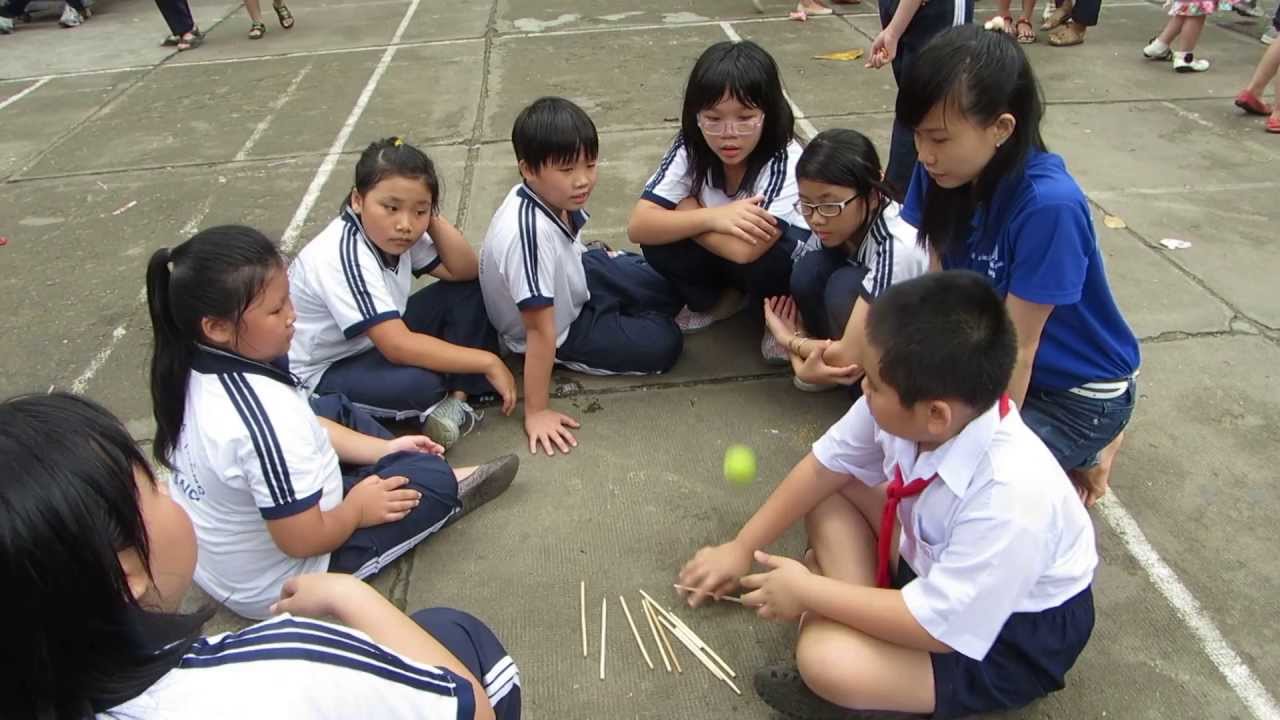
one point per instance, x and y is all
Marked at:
(1273, 125)
(197, 39)
(1252, 104)
(1027, 38)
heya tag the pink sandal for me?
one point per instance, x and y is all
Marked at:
(1273, 125)
(1252, 104)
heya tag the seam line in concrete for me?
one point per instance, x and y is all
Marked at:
(276, 106)
(477, 126)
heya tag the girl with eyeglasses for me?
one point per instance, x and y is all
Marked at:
(859, 246)
(718, 217)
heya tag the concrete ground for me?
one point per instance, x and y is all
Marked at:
(115, 146)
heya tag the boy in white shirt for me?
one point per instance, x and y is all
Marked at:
(551, 298)
(982, 601)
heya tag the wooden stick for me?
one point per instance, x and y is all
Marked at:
(653, 625)
(697, 652)
(582, 608)
(727, 598)
(670, 651)
(604, 619)
(699, 641)
(635, 632)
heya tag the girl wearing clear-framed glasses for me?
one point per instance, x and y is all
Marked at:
(718, 218)
(859, 246)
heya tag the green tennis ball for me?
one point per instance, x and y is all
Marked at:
(739, 464)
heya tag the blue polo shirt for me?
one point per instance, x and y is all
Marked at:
(1035, 239)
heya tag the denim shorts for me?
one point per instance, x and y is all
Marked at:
(1074, 427)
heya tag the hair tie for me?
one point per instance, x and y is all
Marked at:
(995, 24)
(397, 141)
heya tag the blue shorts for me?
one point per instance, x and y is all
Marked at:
(1029, 660)
(1076, 428)
(472, 642)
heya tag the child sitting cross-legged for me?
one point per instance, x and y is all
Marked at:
(982, 601)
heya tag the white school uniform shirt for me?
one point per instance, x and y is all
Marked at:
(250, 450)
(1000, 530)
(776, 181)
(342, 285)
(889, 252)
(531, 259)
(301, 669)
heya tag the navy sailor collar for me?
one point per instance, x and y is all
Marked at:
(211, 360)
(353, 224)
(577, 218)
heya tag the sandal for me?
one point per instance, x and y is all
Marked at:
(170, 41)
(190, 40)
(1067, 34)
(1273, 125)
(1027, 36)
(1252, 104)
(283, 15)
(257, 30)
(1058, 16)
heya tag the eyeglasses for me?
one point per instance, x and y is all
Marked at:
(828, 210)
(720, 127)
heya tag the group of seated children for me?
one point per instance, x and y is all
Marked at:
(981, 383)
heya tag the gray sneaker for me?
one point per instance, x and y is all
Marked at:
(451, 420)
(6, 26)
(1270, 35)
(70, 17)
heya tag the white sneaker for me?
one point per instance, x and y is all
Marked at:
(451, 420)
(6, 26)
(772, 351)
(691, 321)
(1269, 36)
(1156, 50)
(1185, 62)
(70, 17)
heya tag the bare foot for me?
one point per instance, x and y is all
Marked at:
(1094, 482)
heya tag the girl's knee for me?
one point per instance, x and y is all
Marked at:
(829, 666)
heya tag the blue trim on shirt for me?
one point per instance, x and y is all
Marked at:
(535, 302)
(425, 269)
(296, 507)
(266, 444)
(212, 361)
(361, 327)
(348, 256)
(664, 166)
(527, 228)
(580, 217)
(657, 199)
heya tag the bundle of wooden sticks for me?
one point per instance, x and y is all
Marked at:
(663, 625)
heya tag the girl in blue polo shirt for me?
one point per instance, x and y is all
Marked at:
(989, 197)
(97, 556)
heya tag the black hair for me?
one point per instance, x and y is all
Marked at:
(747, 73)
(393, 157)
(553, 131)
(847, 158)
(944, 336)
(982, 74)
(76, 640)
(217, 273)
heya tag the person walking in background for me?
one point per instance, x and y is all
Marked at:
(183, 33)
(257, 28)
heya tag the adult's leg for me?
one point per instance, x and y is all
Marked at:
(809, 279)
(841, 664)
(1265, 72)
(177, 15)
(475, 645)
(381, 388)
(14, 8)
(370, 549)
(454, 312)
(1085, 12)
(697, 274)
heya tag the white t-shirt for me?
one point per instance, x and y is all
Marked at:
(776, 181)
(531, 259)
(342, 285)
(1000, 530)
(250, 450)
(300, 669)
(889, 252)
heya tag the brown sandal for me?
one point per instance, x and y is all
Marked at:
(1067, 34)
(1027, 36)
(1059, 15)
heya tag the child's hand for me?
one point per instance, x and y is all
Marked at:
(781, 319)
(715, 571)
(883, 50)
(503, 382)
(318, 595)
(776, 593)
(548, 426)
(815, 369)
(414, 443)
(381, 500)
(745, 220)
